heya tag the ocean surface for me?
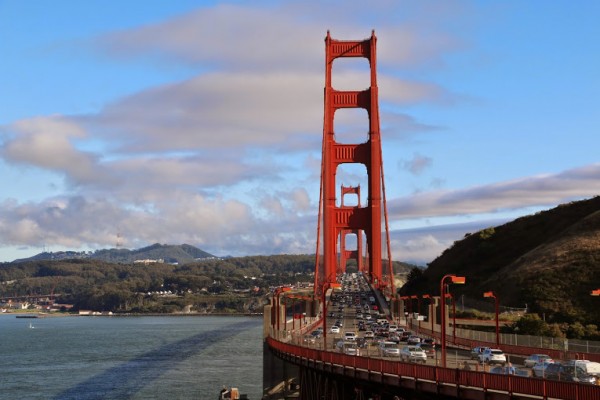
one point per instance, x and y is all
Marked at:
(154, 357)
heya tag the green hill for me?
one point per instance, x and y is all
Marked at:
(549, 261)
(172, 254)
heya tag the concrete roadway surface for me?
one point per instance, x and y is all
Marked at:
(455, 358)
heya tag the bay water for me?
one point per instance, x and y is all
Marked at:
(146, 357)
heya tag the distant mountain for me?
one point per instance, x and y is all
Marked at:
(157, 252)
(549, 261)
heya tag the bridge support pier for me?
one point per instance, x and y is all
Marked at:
(280, 378)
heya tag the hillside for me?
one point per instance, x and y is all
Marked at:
(549, 262)
(173, 254)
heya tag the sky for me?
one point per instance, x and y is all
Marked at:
(200, 122)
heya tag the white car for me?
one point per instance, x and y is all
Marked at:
(389, 349)
(413, 353)
(414, 340)
(334, 329)
(536, 358)
(492, 356)
(350, 348)
(369, 335)
(351, 336)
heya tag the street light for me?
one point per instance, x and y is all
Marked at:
(278, 291)
(453, 279)
(404, 302)
(449, 296)
(495, 297)
(414, 296)
(431, 310)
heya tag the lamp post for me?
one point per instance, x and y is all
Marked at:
(404, 303)
(418, 308)
(293, 313)
(453, 279)
(431, 311)
(278, 291)
(495, 297)
(449, 296)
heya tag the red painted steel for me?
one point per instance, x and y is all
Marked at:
(367, 219)
(345, 254)
(517, 385)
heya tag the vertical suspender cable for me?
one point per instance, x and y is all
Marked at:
(387, 230)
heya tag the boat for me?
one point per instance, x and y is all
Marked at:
(28, 316)
(233, 394)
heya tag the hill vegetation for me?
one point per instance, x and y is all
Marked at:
(172, 254)
(548, 263)
(232, 285)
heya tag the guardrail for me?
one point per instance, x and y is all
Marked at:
(511, 348)
(484, 381)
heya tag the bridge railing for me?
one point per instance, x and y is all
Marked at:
(534, 387)
(519, 344)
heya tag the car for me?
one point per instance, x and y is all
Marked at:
(539, 369)
(350, 348)
(492, 356)
(509, 370)
(428, 348)
(393, 328)
(413, 354)
(394, 337)
(350, 336)
(334, 329)
(536, 358)
(316, 334)
(569, 373)
(388, 349)
(369, 335)
(309, 339)
(477, 351)
(413, 339)
(589, 367)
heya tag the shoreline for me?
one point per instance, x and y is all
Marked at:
(34, 315)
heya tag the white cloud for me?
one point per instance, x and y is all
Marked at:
(544, 190)
(228, 158)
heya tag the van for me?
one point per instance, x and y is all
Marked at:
(589, 367)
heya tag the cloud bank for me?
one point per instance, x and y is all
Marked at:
(229, 158)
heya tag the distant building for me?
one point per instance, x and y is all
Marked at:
(149, 261)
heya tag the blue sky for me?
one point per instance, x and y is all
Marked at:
(201, 122)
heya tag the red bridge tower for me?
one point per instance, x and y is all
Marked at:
(337, 221)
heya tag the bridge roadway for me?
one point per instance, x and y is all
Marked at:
(327, 373)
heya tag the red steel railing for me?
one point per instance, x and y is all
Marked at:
(539, 388)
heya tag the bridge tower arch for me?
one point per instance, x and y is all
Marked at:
(337, 221)
(346, 254)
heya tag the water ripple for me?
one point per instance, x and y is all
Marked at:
(125, 380)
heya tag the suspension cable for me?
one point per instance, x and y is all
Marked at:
(387, 230)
